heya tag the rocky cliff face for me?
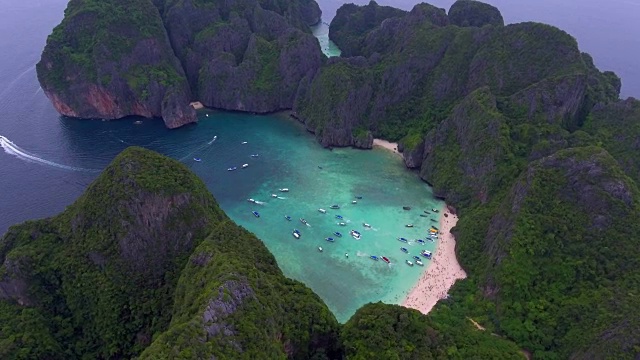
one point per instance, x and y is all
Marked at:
(109, 60)
(413, 68)
(474, 13)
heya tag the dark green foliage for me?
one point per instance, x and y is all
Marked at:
(352, 23)
(474, 13)
(379, 331)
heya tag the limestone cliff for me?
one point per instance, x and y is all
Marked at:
(111, 59)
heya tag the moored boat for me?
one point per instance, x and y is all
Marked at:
(424, 215)
(409, 225)
(401, 239)
(330, 239)
(232, 168)
(245, 166)
(434, 227)
(417, 258)
(322, 211)
(420, 241)
(406, 207)
(255, 213)
(283, 190)
(355, 234)
(435, 210)
(358, 197)
(335, 206)
(197, 159)
(404, 250)
(254, 155)
(420, 263)
(342, 224)
(354, 202)
(408, 262)
(427, 212)
(303, 221)
(374, 257)
(287, 217)
(320, 248)
(366, 225)
(338, 234)
(296, 233)
(386, 259)
(426, 253)
(338, 216)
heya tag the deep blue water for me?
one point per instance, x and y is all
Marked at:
(48, 161)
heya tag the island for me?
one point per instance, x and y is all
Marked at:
(526, 140)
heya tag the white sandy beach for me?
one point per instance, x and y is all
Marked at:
(387, 145)
(444, 270)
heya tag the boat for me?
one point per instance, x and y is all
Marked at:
(420, 241)
(409, 225)
(386, 259)
(342, 224)
(426, 253)
(255, 213)
(320, 248)
(255, 155)
(338, 216)
(433, 227)
(416, 257)
(296, 233)
(319, 167)
(232, 168)
(346, 255)
(358, 197)
(404, 250)
(426, 212)
(330, 239)
(287, 217)
(419, 263)
(284, 190)
(424, 215)
(406, 207)
(401, 239)
(434, 220)
(354, 202)
(366, 225)
(244, 142)
(338, 234)
(251, 201)
(137, 122)
(355, 234)
(408, 262)
(244, 166)
(304, 221)
(322, 211)
(435, 210)
(274, 195)
(197, 159)
(374, 257)
(334, 206)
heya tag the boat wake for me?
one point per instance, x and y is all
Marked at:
(199, 148)
(260, 202)
(13, 149)
(280, 197)
(359, 253)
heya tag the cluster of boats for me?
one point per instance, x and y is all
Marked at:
(357, 235)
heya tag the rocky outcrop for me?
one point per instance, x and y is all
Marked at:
(111, 59)
(114, 60)
(464, 157)
(245, 55)
(474, 13)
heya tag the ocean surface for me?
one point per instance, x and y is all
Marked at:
(47, 161)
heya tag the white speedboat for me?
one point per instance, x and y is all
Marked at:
(244, 166)
(355, 234)
(322, 211)
(366, 225)
(284, 190)
(274, 195)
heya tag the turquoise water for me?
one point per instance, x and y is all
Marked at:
(321, 32)
(290, 158)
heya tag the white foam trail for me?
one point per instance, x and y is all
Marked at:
(281, 198)
(260, 202)
(37, 91)
(361, 254)
(200, 148)
(10, 85)
(13, 149)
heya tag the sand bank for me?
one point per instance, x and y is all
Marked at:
(387, 145)
(196, 105)
(442, 273)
